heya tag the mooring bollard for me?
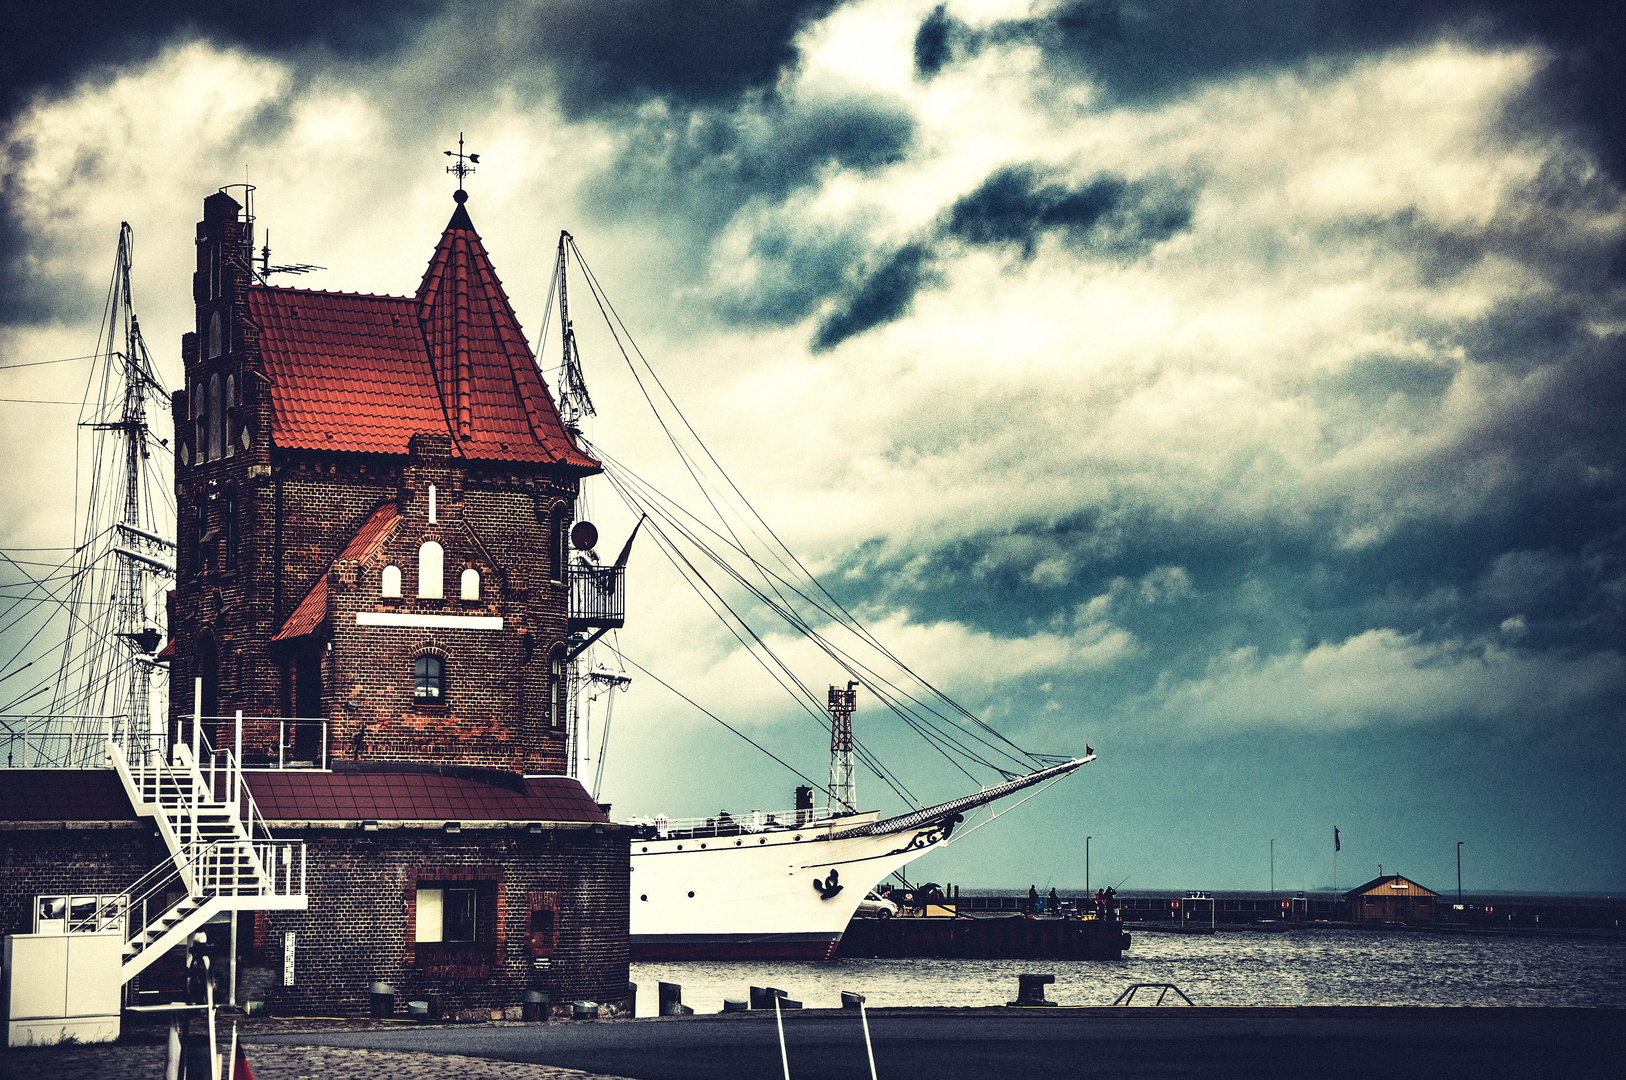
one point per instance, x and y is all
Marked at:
(788, 1003)
(850, 1000)
(584, 1010)
(671, 1000)
(536, 1005)
(1030, 991)
(762, 996)
(735, 1005)
(381, 1000)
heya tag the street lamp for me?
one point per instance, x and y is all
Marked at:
(1459, 871)
(1087, 868)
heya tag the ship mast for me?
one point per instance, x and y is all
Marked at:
(574, 402)
(843, 779)
(105, 680)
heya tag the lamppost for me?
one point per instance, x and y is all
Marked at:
(1087, 868)
(1273, 867)
(1459, 871)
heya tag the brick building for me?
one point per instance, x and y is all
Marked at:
(374, 495)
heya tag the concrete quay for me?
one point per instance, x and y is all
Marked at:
(975, 1044)
(1329, 1043)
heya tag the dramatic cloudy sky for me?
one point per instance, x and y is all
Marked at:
(1235, 387)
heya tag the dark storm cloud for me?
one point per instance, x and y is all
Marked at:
(46, 48)
(1014, 208)
(936, 41)
(698, 50)
(1018, 205)
(596, 56)
(703, 164)
(1152, 49)
(51, 46)
(887, 293)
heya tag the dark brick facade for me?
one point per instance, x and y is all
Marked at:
(360, 927)
(48, 858)
(259, 525)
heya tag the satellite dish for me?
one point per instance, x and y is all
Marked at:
(583, 536)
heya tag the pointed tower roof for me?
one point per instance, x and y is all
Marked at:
(365, 373)
(496, 403)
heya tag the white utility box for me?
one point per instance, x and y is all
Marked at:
(61, 985)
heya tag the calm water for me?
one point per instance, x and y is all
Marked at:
(1324, 967)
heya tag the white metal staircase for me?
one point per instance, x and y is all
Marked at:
(216, 863)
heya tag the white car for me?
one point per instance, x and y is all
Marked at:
(874, 907)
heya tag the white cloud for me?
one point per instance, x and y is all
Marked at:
(1382, 676)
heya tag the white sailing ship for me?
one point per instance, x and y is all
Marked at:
(779, 886)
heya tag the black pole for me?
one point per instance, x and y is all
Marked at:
(1459, 871)
(1087, 867)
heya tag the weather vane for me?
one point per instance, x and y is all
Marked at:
(465, 164)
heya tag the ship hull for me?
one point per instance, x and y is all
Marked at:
(818, 946)
(760, 896)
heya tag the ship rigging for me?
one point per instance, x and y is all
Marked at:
(741, 569)
(89, 626)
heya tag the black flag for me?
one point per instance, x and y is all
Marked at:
(1336, 846)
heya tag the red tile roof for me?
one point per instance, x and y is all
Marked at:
(365, 373)
(385, 794)
(378, 527)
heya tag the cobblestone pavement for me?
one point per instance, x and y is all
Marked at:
(121, 1062)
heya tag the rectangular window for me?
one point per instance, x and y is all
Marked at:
(445, 915)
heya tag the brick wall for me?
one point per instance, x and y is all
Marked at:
(361, 921)
(44, 858)
(360, 927)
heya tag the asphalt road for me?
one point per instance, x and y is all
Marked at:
(978, 1044)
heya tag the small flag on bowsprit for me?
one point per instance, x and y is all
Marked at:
(239, 1060)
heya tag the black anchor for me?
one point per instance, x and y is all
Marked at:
(829, 886)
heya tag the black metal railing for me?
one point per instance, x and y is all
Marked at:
(598, 596)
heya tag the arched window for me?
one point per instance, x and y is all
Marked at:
(209, 669)
(214, 417)
(558, 546)
(558, 689)
(429, 681)
(228, 419)
(470, 585)
(389, 583)
(215, 347)
(230, 527)
(431, 571)
(200, 408)
(200, 527)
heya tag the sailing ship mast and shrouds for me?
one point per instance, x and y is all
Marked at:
(782, 884)
(100, 610)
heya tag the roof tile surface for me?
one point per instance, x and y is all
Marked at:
(364, 374)
(416, 796)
